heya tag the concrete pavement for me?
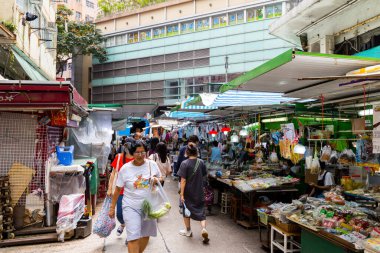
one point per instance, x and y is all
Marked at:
(225, 237)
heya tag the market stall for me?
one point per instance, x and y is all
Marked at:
(35, 117)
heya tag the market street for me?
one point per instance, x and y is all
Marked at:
(225, 236)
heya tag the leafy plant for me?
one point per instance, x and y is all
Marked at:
(76, 38)
(113, 6)
(10, 26)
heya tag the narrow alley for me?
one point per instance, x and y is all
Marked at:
(225, 237)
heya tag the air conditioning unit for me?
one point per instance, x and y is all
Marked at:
(36, 2)
(51, 25)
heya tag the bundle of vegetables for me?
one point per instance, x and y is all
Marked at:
(155, 214)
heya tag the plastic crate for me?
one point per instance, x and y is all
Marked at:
(65, 155)
(264, 217)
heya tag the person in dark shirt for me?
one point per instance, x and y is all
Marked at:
(181, 156)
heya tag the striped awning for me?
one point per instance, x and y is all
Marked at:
(189, 115)
(249, 98)
(185, 106)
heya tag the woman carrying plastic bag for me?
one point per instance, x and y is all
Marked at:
(136, 178)
(104, 224)
(156, 204)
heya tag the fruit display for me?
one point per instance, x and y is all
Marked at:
(6, 210)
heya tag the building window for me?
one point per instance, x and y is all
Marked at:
(78, 15)
(159, 32)
(90, 4)
(187, 27)
(120, 40)
(145, 35)
(219, 21)
(110, 42)
(202, 24)
(277, 9)
(133, 37)
(236, 18)
(255, 14)
(172, 30)
(172, 89)
(89, 19)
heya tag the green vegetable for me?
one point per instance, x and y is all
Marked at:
(147, 209)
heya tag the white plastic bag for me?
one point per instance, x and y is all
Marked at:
(273, 157)
(315, 166)
(325, 153)
(104, 224)
(157, 204)
(71, 209)
(308, 161)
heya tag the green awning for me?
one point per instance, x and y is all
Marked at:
(31, 71)
(284, 73)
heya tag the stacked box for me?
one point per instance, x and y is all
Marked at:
(6, 210)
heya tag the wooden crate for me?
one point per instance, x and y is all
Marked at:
(288, 227)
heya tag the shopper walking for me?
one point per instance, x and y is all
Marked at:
(182, 152)
(192, 172)
(215, 153)
(117, 164)
(163, 161)
(153, 144)
(135, 177)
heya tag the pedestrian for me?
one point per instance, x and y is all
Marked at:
(192, 172)
(153, 144)
(163, 161)
(135, 177)
(215, 153)
(117, 164)
(182, 152)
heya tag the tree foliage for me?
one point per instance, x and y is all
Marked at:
(113, 6)
(76, 38)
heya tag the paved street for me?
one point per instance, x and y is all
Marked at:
(225, 236)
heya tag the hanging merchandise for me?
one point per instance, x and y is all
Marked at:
(347, 157)
(276, 137)
(315, 167)
(358, 125)
(326, 153)
(59, 118)
(295, 157)
(289, 131)
(285, 148)
(334, 157)
(376, 131)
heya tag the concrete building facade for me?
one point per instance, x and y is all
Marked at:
(29, 50)
(168, 51)
(83, 11)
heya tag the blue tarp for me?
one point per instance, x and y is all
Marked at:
(373, 53)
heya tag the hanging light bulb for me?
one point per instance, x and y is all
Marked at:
(234, 138)
(213, 133)
(299, 149)
(243, 132)
(226, 130)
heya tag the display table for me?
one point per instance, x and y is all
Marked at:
(321, 242)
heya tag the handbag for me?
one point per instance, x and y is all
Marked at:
(209, 195)
(194, 171)
(186, 211)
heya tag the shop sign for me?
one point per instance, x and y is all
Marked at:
(8, 96)
(33, 97)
